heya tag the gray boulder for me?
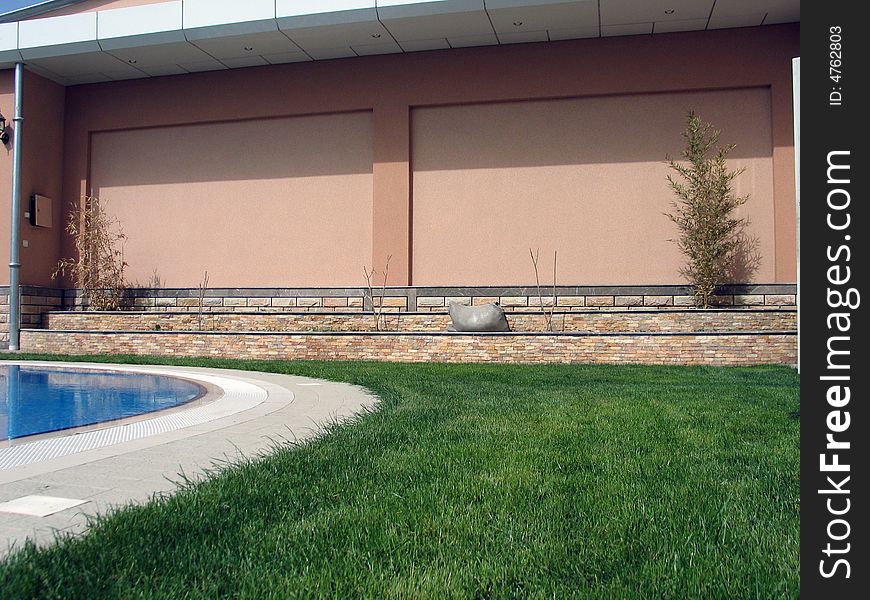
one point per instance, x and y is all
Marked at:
(486, 317)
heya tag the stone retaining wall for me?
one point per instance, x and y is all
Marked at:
(684, 349)
(436, 299)
(35, 301)
(685, 320)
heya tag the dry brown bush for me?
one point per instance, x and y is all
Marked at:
(99, 267)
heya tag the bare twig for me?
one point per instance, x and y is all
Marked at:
(154, 282)
(202, 287)
(370, 292)
(553, 306)
(548, 314)
(377, 310)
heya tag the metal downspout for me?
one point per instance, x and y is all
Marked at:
(15, 237)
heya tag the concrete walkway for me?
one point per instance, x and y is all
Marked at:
(132, 472)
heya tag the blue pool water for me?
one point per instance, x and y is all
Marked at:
(42, 399)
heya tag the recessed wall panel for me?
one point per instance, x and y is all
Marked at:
(274, 202)
(584, 177)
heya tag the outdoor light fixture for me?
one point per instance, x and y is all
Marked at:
(4, 135)
(669, 11)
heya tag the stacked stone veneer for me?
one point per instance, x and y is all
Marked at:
(35, 302)
(436, 299)
(754, 325)
(686, 349)
(629, 321)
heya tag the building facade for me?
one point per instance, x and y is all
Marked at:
(289, 144)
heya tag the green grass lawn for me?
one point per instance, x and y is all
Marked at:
(487, 481)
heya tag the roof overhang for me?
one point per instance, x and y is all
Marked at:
(186, 36)
(35, 9)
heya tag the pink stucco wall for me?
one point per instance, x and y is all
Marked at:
(585, 177)
(254, 203)
(41, 173)
(652, 77)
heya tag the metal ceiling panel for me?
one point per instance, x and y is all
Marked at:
(338, 36)
(175, 37)
(728, 21)
(578, 33)
(286, 57)
(73, 65)
(676, 26)
(161, 55)
(241, 46)
(522, 37)
(386, 47)
(488, 39)
(431, 20)
(331, 53)
(621, 12)
(423, 45)
(515, 16)
(626, 29)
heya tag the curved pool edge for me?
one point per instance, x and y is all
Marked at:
(207, 393)
(298, 409)
(236, 395)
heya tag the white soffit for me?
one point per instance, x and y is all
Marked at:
(57, 36)
(91, 63)
(244, 61)
(140, 25)
(749, 13)
(423, 45)
(331, 53)
(338, 36)
(523, 37)
(675, 26)
(286, 57)
(337, 29)
(246, 46)
(574, 33)
(145, 57)
(519, 16)
(386, 47)
(626, 29)
(624, 12)
(719, 21)
(469, 41)
(180, 36)
(218, 18)
(421, 20)
(202, 66)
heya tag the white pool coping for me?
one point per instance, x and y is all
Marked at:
(236, 395)
(296, 409)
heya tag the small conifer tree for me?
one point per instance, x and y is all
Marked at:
(709, 233)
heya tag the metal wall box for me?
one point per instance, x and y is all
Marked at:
(40, 211)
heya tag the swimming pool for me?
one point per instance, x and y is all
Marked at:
(40, 399)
